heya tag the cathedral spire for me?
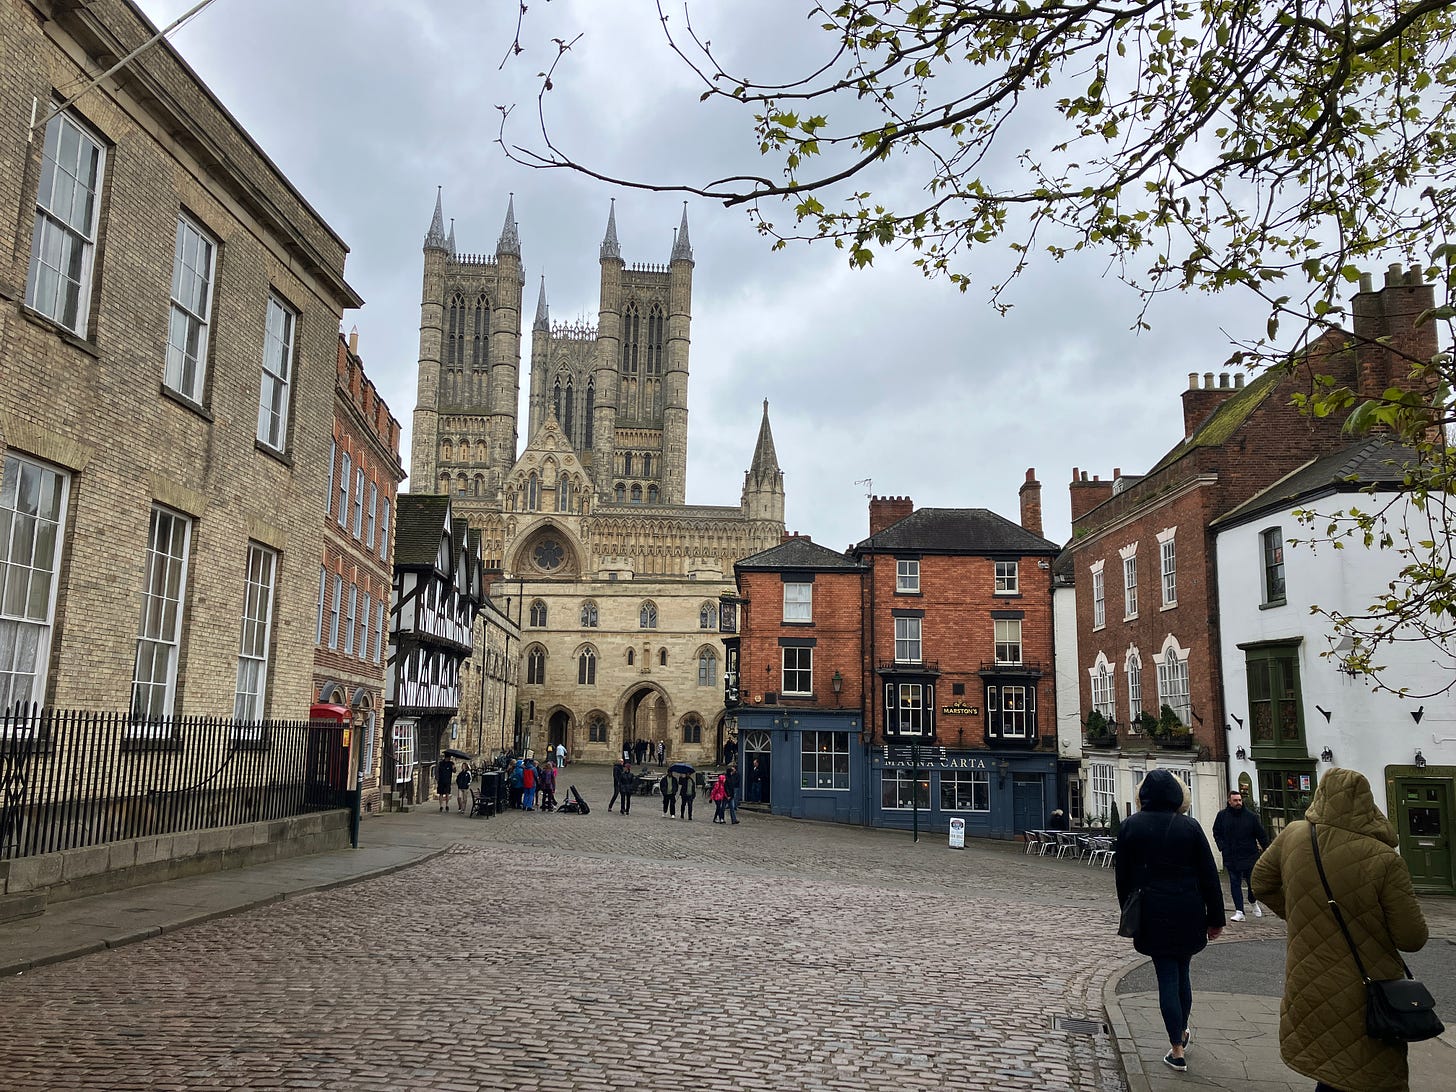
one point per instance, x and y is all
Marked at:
(510, 241)
(450, 242)
(765, 459)
(543, 314)
(610, 249)
(682, 250)
(435, 237)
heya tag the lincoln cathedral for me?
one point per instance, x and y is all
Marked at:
(614, 576)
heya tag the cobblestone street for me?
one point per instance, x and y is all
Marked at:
(603, 952)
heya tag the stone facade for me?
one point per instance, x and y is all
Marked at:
(613, 577)
(356, 572)
(136, 398)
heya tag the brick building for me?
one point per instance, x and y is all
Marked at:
(169, 311)
(922, 656)
(1143, 562)
(356, 571)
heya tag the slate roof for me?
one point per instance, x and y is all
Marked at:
(1375, 461)
(957, 531)
(419, 524)
(797, 553)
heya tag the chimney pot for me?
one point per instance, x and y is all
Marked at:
(1367, 283)
(1208, 381)
(354, 340)
(1238, 380)
(1192, 381)
(1394, 274)
(1223, 380)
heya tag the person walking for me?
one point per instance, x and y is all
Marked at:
(1322, 1016)
(444, 781)
(616, 784)
(667, 785)
(686, 791)
(717, 794)
(1164, 859)
(462, 785)
(628, 778)
(730, 786)
(1240, 838)
(661, 751)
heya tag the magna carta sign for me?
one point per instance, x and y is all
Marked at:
(960, 709)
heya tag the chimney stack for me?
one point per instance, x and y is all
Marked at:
(1390, 313)
(887, 510)
(354, 340)
(1031, 503)
(1200, 402)
(1087, 495)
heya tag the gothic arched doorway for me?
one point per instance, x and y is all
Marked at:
(559, 731)
(645, 716)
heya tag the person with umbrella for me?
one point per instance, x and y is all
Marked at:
(686, 788)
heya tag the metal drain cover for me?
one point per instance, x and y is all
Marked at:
(1078, 1025)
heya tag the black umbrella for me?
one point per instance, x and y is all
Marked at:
(681, 768)
(453, 753)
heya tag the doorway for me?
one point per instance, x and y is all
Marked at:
(559, 731)
(1028, 802)
(1423, 812)
(757, 768)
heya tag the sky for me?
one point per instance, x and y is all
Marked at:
(878, 380)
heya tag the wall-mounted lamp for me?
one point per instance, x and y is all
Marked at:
(1327, 755)
(1238, 720)
(836, 683)
(1324, 713)
(1420, 760)
(1241, 754)
(1417, 714)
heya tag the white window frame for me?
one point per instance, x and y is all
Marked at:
(337, 606)
(1272, 536)
(347, 468)
(259, 581)
(798, 601)
(907, 576)
(1129, 585)
(1008, 637)
(959, 786)
(359, 501)
(159, 629)
(372, 518)
(1008, 578)
(371, 731)
(908, 646)
(1015, 723)
(1104, 687)
(190, 316)
(323, 599)
(41, 512)
(1185, 775)
(61, 234)
(1173, 685)
(1099, 596)
(824, 761)
(912, 718)
(350, 618)
(1134, 666)
(366, 609)
(404, 751)
(1101, 789)
(1168, 565)
(801, 670)
(383, 635)
(384, 529)
(275, 388)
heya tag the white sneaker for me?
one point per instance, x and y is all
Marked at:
(1258, 910)
(1238, 915)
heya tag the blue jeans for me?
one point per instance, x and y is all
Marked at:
(1175, 994)
(732, 806)
(1238, 881)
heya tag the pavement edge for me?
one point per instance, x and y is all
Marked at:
(1123, 1042)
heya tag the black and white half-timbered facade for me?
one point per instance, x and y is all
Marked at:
(439, 584)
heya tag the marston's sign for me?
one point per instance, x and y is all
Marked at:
(961, 709)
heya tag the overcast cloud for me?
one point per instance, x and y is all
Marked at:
(369, 105)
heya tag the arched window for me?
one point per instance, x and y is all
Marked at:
(631, 657)
(538, 613)
(662, 656)
(563, 494)
(647, 616)
(589, 615)
(536, 667)
(1134, 687)
(652, 494)
(636, 494)
(707, 667)
(656, 327)
(596, 728)
(480, 339)
(455, 334)
(620, 493)
(556, 401)
(533, 492)
(631, 334)
(568, 424)
(586, 668)
(708, 616)
(647, 466)
(447, 452)
(591, 404)
(479, 484)
(444, 483)
(627, 463)
(692, 729)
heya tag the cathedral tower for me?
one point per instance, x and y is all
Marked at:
(470, 345)
(763, 482)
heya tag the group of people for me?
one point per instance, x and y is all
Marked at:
(679, 790)
(1163, 854)
(639, 752)
(529, 785)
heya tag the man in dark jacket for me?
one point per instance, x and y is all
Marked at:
(1241, 838)
(731, 784)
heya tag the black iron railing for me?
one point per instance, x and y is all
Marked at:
(75, 778)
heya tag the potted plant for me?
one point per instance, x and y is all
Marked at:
(1172, 732)
(1099, 733)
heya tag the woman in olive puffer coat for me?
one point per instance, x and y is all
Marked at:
(1322, 1016)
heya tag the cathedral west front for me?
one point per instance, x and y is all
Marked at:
(614, 577)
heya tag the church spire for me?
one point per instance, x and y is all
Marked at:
(435, 237)
(682, 250)
(610, 249)
(510, 241)
(450, 242)
(543, 314)
(765, 459)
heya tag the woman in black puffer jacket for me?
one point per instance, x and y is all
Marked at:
(1165, 854)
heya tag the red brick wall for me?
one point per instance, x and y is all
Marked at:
(836, 631)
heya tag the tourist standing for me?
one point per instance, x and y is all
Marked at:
(730, 786)
(444, 781)
(686, 791)
(528, 785)
(560, 756)
(667, 785)
(462, 785)
(716, 794)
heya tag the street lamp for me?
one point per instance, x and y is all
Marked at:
(836, 683)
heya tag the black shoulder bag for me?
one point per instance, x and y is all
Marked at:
(1132, 910)
(1397, 1010)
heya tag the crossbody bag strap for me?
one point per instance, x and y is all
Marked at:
(1339, 917)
